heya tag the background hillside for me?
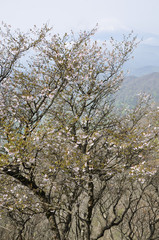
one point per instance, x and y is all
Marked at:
(133, 85)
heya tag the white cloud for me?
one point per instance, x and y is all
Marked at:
(111, 25)
(151, 41)
(104, 25)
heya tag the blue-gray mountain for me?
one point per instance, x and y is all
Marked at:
(146, 55)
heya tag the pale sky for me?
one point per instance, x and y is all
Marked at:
(64, 15)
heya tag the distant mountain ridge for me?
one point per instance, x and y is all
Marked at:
(146, 55)
(146, 60)
(139, 72)
(132, 86)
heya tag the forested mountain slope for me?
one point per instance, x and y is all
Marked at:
(132, 86)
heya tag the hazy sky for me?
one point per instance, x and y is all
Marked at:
(64, 15)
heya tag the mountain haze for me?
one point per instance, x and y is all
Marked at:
(146, 54)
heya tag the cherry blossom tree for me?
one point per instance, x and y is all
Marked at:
(69, 158)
